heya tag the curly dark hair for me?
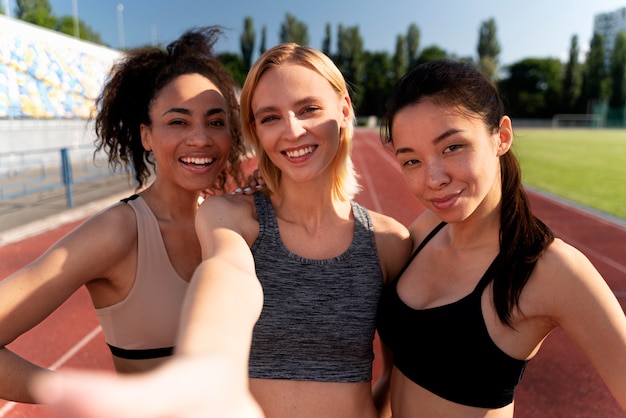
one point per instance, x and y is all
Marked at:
(135, 80)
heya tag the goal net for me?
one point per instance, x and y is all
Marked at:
(578, 121)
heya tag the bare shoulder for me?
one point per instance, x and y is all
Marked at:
(384, 224)
(236, 213)
(565, 280)
(564, 261)
(393, 243)
(226, 208)
(115, 226)
(422, 226)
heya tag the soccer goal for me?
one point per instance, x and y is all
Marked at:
(578, 121)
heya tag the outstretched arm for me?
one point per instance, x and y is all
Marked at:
(185, 387)
(222, 305)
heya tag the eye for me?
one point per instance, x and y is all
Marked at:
(266, 119)
(410, 163)
(217, 122)
(177, 122)
(310, 109)
(452, 148)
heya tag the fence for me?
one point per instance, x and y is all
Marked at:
(28, 172)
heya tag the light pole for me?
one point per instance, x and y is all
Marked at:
(120, 26)
(75, 11)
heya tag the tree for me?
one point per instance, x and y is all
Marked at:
(488, 49)
(233, 63)
(400, 58)
(349, 59)
(2, 9)
(37, 12)
(65, 24)
(246, 40)
(618, 71)
(292, 30)
(377, 82)
(594, 75)
(431, 53)
(262, 44)
(572, 79)
(327, 40)
(412, 44)
(533, 88)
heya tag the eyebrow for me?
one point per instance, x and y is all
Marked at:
(185, 111)
(435, 141)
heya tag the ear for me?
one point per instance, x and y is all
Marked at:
(144, 130)
(346, 107)
(505, 136)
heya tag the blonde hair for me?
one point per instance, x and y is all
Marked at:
(345, 185)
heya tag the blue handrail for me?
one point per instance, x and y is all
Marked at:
(27, 172)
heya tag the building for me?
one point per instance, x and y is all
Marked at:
(609, 25)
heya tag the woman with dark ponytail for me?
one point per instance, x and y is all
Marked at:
(171, 117)
(488, 281)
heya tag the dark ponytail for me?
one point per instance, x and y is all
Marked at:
(523, 237)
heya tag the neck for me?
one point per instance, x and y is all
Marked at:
(307, 203)
(171, 204)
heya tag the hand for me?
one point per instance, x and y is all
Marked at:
(255, 182)
(184, 387)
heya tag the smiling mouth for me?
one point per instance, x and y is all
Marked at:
(198, 161)
(301, 152)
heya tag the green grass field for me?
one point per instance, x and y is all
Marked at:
(586, 166)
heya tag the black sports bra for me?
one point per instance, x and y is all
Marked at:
(447, 349)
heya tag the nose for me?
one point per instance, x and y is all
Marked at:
(293, 127)
(199, 135)
(436, 175)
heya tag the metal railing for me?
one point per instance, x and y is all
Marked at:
(28, 172)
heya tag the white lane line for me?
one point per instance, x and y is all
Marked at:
(76, 348)
(61, 361)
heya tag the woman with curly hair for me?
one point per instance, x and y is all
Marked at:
(172, 116)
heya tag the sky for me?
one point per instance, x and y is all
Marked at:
(524, 29)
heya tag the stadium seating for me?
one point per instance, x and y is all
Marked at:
(45, 74)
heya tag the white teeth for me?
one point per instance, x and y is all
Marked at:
(299, 153)
(197, 160)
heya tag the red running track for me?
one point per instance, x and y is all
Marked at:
(558, 382)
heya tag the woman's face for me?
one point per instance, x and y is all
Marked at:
(189, 133)
(297, 118)
(449, 159)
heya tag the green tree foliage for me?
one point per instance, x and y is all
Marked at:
(263, 43)
(327, 40)
(292, 30)
(233, 63)
(400, 58)
(349, 59)
(431, 53)
(246, 40)
(572, 79)
(488, 49)
(533, 88)
(618, 71)
(412, 44)
(595, 74)
(65, 24)
(377, 82)
(37, 12)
